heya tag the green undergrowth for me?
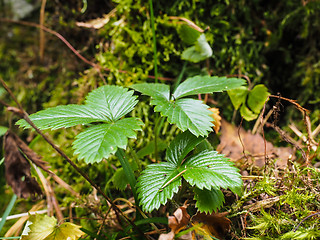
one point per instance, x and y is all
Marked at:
(279, 205)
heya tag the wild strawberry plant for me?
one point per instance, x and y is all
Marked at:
(107, 130)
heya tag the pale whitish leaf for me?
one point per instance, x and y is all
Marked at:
(64, 116)
(211, 170)
(99, 141)
(208, 200)
(43, 227)
(181, 146)
(187, 114)
(200, 51)
(206, 84)
(113, 101)
(151, 182)
(203, 47)
(154, 90)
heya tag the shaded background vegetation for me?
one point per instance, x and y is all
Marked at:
(272, 42)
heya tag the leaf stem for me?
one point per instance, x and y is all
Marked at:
(154, 42)
(8, 210)
(129, 173)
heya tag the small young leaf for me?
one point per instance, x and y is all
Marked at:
(3, 130)
(181, 146)
(211, 170)
(188, 34)
(200, 51)
(247, 114)
(151, 185)
(257, 97)
(206, 84)
(155, 90)
(238, 96)
(99, 141)
(186, 113)
(203, 47)
(208, 200)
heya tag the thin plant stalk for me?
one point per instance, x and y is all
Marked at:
(7, 211)
(154, 42)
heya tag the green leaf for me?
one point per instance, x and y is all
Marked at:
(119, 179)
(181, 146)
(206, 84)
(43, 227)
(3, 130)
(64, 117)
(200, 51)
(114, 101)
(155, 90)
(257, 97)
(151, 182)
(211, 170)
(188, 34)
(149, 148)
(2, 91)
(208, 200)
(203, 47)
(104, 104)
(238, 96)
(187, 114)
(99, 141)
(247, 114)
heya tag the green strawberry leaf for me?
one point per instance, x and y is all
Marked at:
(257, 97)
(64, 117)
(181, 146)
(99, 141)
(152, 187)
(207, 170)
(114, 101)
(155, 90)
(208, 200)
(206, 84)
(187, 114)
(210, 170)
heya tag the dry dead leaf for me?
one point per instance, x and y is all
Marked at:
(17, 168)
(177, 222)
(217, 118)
(215, 224)
(253, 146)
(98, 22)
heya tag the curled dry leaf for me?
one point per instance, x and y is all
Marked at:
(177, 222)
(17, 167)
(215, 224)
(217, 119)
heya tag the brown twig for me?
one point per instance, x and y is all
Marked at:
(61, 153)
(41, 23)
(314, 214)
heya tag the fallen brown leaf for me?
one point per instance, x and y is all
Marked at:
(177, 222)
(17, 168)
(253, 145)
(215, 224)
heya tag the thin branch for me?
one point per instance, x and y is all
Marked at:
(314, 214)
